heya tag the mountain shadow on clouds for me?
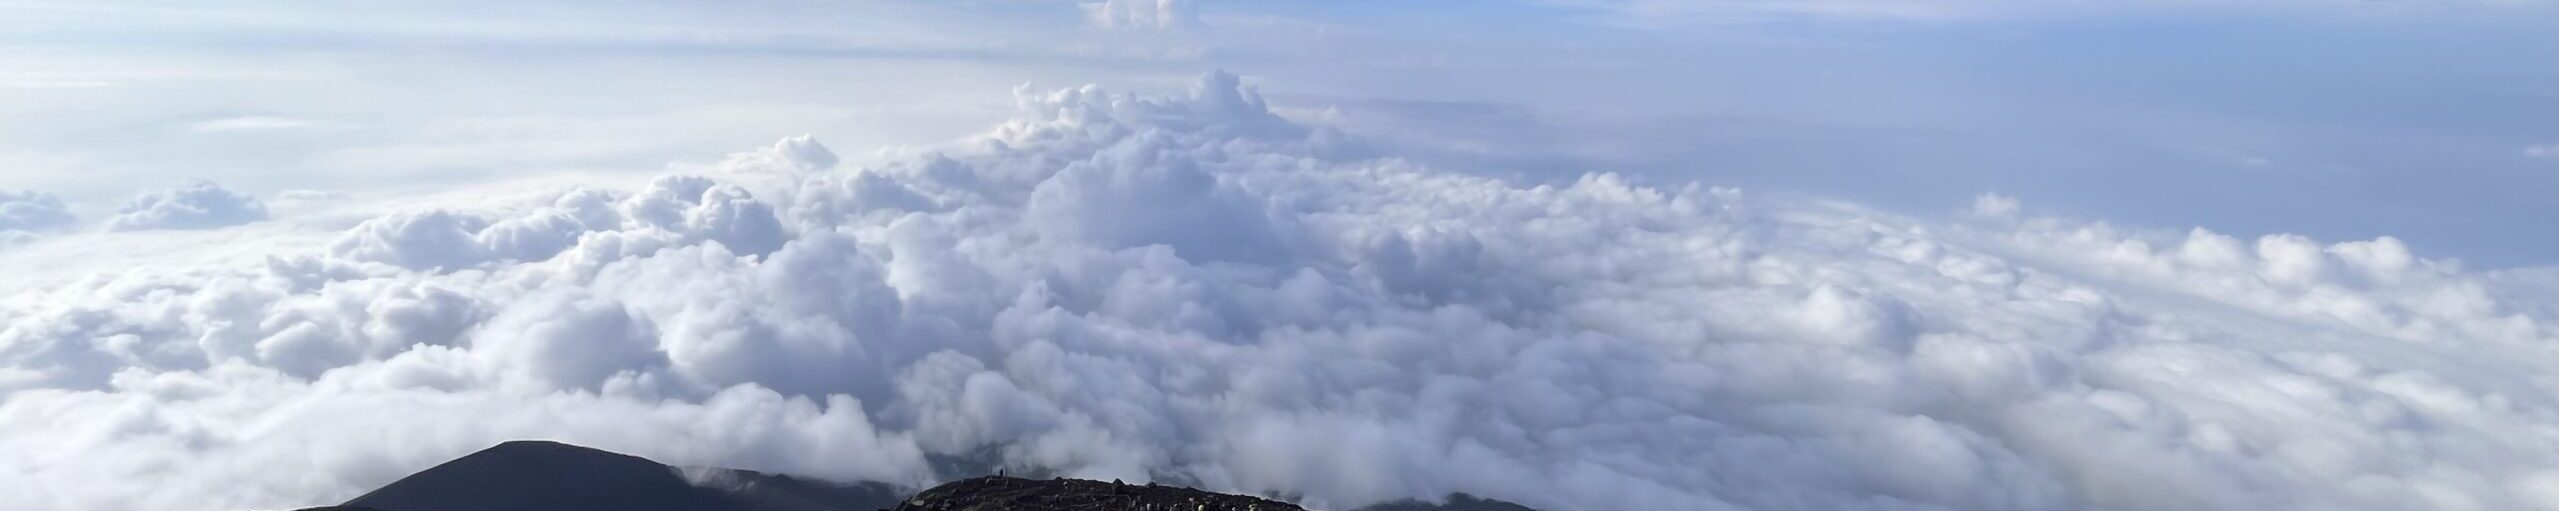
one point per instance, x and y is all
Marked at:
(551, 476)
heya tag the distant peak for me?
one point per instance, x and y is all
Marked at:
(533, 450)
(541, 475)
(539, 445)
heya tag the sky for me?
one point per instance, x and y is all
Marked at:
(1579, 254)
(2331, 118)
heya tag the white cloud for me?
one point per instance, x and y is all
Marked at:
(1994, 205)
(1660, 13)
(420, 240)
(1153, 196)
(49, 83)
(1127, 287)
(794, 155)
(257, 123)
(2542, 151)
(569, 341)
(310, 195)
(25, 214)
(1143, 14)
(194, 205)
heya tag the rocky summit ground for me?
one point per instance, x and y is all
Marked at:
(996, 493)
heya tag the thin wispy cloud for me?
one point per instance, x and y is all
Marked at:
(260, 123)
(1663, 14)
(33, 83)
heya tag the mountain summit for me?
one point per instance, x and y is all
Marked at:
(993, 493)
(552, 476)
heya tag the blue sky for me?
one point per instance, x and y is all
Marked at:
(2343, 120)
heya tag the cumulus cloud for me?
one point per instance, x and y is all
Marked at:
(791, 156)
(26, 214)
(193, 205)
(1192, 289)
(1994, 205)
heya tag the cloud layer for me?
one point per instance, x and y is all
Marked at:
(1195, 289)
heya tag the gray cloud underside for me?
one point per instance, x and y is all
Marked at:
(1194, 288)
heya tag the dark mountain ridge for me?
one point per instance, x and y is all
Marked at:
(993, 493)
(552, 476)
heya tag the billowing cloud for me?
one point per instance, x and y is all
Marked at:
(1193, 289)
(1993, 205)
(193, 205)
(25, 214)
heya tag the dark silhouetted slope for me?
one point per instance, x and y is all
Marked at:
(1016, 494)
(998, 493)
(1457, 502)
(551, 476)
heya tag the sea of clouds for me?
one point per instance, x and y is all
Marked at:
(1195, 289)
